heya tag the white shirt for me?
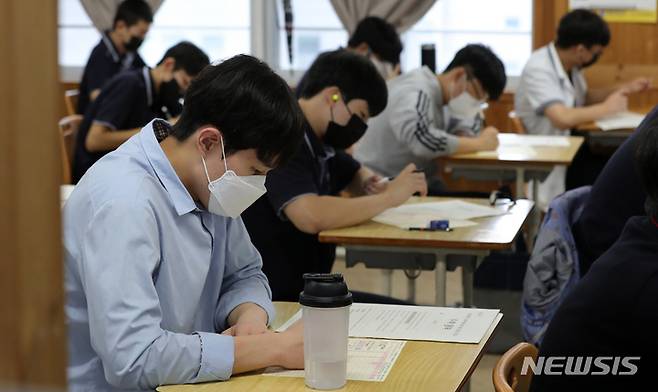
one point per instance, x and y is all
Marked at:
(544, 82)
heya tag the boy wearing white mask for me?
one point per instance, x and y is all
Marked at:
(163, 284)
(429, 115)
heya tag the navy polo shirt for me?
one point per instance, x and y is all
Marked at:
(617, 194)
(287, 252)
(612, 312)
(127, 101)
(104, 62)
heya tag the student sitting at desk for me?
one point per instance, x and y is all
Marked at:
(133, 98)
(378, 40)
(426, 112)
(612, 314)
(342, 91)
(553, 96)
(158, 261)
(117, 50)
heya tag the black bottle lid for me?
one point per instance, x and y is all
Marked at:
(325, 291)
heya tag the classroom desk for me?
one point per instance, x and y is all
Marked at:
(599, 138)
(387, 247)
(421, 366)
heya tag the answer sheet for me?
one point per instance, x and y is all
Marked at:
(514, 140)
(458, 212)
(457, 325)
(367, 360)
(624, 120)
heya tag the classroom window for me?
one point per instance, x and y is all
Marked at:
(220, 27)
(449, 24)
(452, 24)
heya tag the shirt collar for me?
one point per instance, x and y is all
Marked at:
(557, 64)
(110, 46)
(318, 149)
(180, 197)
(148, 82)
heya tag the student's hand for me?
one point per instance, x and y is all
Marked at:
(616, 102)
(405, 185)
(636, 85)
(247, 327)
(488, 139)
(291, 346)
(375, 184)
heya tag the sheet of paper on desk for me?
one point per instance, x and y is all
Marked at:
(522, 152)
(457, 325)
(510, 139)
(367, 360)
(624, 120)
(458, 212)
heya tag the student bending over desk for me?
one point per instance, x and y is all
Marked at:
(158, 261)
(426, 113)
(133, 98)
(342, 91)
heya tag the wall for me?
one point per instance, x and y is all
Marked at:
(33, 348)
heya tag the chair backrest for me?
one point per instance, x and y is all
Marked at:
(507, 375)
(71, 101)
(517, 124)
(68, 130)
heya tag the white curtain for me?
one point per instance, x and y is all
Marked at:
(402, 14)
(101, 12)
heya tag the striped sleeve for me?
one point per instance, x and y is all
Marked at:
(414, 125)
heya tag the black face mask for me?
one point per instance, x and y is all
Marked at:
(169, 99)
(133, 44)
(341, 137)
(594, 59)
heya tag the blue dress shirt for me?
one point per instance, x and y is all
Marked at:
(150, 277)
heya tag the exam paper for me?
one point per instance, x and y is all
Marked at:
(509, 152)
(624, 120)
(457, 325)
(510, 140)
(458, 212)
(367, 360)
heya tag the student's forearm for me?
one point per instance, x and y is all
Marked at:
(468, 144)
(569, 118)
(330, 212)
(107, 140)
(355, 188)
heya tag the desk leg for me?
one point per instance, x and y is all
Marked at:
(467, 283)
(411, 290)
(388, 282)
(440, 298)
(520, 183)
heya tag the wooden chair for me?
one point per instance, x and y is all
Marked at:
(517, 124)
(68, 130)
(507, 372)
(71, 101)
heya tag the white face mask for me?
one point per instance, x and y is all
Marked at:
(231, 194)
(386, 69)
(464, 106)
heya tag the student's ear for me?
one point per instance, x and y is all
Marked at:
(332, 95)
(120, 26)
(169, 64)
(459, 73)
(208, 139)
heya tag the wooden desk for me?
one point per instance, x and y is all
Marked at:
(598, 138)
(388, 247)
(421, 366)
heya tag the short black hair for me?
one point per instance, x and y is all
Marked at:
(582, 27)
(250, 104)
(354, 75)
(132, 11)
(380, 36)
(482, 63)
(188, 57)
(646, 161)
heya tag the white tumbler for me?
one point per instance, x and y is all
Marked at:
(326, 313)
